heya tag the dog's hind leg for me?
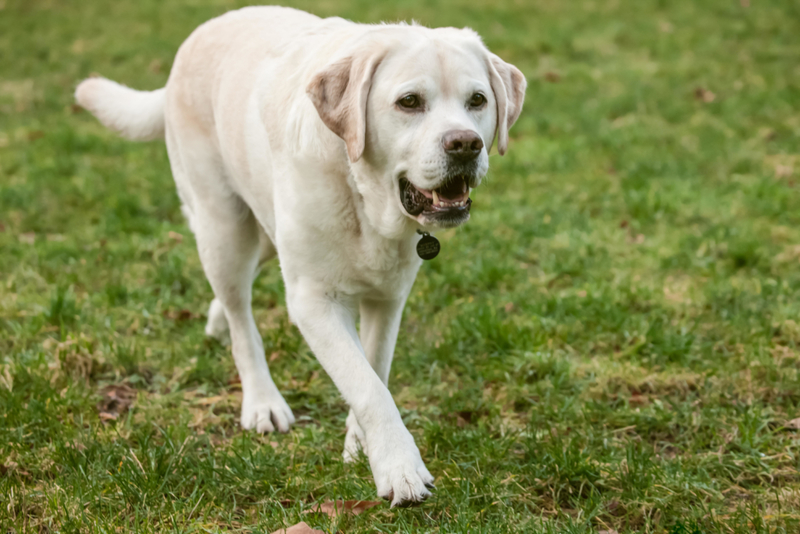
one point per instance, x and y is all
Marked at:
(217, 325)
(229, 246)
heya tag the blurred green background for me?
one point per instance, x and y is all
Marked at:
(610, 344)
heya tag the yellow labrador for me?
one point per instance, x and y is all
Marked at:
(328, 144)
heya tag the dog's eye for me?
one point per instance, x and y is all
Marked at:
(409, 102)
(477, 100)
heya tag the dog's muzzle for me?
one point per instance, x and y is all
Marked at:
(446, 205)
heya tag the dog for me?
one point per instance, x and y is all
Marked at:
(328, 144)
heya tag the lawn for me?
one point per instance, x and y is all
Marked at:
(612, 343)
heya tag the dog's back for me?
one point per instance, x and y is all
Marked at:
(224, 47)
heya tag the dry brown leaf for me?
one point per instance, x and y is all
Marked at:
(794, 424)
(178, 315)
(704, 95)
(335, 508)
(117, 398)
(156, 66)
(552, 77)
(299, 528)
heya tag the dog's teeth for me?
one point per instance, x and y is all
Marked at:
(463, 187)
(435, 198)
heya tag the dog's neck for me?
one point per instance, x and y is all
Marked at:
(387, 236)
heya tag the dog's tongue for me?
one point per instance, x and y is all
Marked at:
(453, 190)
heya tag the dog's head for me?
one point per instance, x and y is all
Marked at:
(419, 109)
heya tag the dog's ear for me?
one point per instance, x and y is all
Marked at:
(508, 85)
(340, 91)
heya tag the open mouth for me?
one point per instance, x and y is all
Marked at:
(451, 198)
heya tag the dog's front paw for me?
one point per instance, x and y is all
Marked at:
(266, 413)
(400, 474)
(354, 440)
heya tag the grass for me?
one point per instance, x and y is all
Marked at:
(610, 344)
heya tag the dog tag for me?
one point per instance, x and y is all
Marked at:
(428, 247)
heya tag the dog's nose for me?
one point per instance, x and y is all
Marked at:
(462, 144)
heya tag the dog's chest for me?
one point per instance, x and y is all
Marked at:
(371, 268)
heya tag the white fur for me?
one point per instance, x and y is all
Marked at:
(262, 108)
(135, 115)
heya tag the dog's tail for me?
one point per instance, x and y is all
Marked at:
(135, 115)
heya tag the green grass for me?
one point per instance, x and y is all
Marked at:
(610, 343)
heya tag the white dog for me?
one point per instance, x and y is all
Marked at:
(328, 144)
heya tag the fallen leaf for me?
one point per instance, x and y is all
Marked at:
(552, 77)
(156, 66)
(608, 532)
(794, 424)
(704, 95)
(335, 508)
(179, 315)
(117, 398)
(176, 236)
(299, 528)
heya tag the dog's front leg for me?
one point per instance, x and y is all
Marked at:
(328, 325)
(380, 322)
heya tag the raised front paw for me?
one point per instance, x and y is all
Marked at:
(266, 413)
(400, 474)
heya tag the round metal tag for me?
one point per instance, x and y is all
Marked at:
(428, 247)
